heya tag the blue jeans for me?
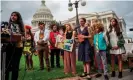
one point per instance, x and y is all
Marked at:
(101, 55)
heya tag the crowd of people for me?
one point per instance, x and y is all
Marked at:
(93, 44)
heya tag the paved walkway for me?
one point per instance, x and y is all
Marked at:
(127, 75)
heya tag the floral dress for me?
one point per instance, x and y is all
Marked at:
(27, 46)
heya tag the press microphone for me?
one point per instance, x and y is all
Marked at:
(5, 32)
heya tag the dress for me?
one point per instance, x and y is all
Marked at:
(113, 42)
(84, 47)
(27, 47)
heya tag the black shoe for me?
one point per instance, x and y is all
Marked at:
(98, 75)
(106, 77)
(120, 75)
(113, 74)
(83, 74)
(131, 69)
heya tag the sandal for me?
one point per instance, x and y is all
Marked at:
(83, 74)
(88, 76)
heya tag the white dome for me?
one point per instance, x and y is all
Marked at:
(43, 9)
(43, 14)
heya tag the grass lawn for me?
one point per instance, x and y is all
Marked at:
(44, 75)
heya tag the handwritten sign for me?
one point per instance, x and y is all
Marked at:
(66, 44)
(59, 42)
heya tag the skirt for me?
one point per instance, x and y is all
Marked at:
(84, 52)
(118, 51)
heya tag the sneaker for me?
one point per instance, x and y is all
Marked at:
(83, 74)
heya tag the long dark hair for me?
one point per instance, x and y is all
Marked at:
(83, 19)
(19, 21)
(117, 27)
(51, 26)
(32, 38)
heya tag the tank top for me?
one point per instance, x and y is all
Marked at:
(69, 35)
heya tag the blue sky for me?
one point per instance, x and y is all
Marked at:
(59, 9)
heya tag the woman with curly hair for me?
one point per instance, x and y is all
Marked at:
(54, 50)
(100, 44)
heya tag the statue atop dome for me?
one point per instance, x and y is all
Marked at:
(43, 2)
(43, 14)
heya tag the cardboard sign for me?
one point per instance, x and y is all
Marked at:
(66, 44)
(59, 42)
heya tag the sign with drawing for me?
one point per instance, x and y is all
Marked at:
(66, 44)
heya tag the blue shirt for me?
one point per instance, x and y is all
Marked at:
(102, 45)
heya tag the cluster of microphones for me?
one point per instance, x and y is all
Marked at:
(5, 30)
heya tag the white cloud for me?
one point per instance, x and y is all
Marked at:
(129, 14)
(28, 21)
(14, 6)
(130, 34)
(59, 8)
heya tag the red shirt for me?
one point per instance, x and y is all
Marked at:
(53, 38)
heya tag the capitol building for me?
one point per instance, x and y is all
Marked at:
(43, 14)
(104, 17)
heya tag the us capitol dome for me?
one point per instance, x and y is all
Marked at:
(43, 14)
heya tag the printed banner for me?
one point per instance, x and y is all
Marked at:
(66, 44)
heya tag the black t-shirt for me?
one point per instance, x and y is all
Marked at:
(69, 35)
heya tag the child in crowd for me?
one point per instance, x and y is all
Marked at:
(100, 43)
